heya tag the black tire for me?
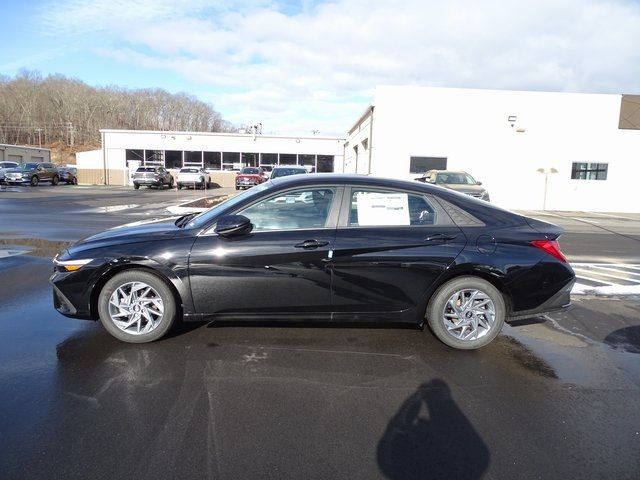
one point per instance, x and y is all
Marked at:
(170, 182)
(55, 180)
(179, 187)
(74, 181)
(34, 181)
(161, 184)
(168, 300)
(435, 311)
(237, 187)
(136, 186)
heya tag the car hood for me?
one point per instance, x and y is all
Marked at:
(143, 231)
(463, 188)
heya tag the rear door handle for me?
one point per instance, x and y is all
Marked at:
(311, 244)
(440, 237)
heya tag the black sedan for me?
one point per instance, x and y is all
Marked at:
(339, 248)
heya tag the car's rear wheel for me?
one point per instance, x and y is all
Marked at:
(179, 187)
(466, 313)
(74, 181)
(55, 180)
(161, 184)
(136, 307)
(34, 181)
(136, 186)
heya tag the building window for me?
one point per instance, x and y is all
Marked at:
(153, 157)
(288, 159)
(589, 171)
(134, 155)
(269, 159)
(424, 164)
(250, 159)
(325, 163)
(173, 159)
(230, 160)
(193, 158)
(212, 161)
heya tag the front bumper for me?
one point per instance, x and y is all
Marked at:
(247, 183)
(71, 294)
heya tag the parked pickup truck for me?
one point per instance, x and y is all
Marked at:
(33, 174)
(152, 177)
(195, 177)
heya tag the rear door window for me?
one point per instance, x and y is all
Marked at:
(386, 208)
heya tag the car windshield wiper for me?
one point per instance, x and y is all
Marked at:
(183, 220)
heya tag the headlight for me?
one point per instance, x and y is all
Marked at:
(71, 265)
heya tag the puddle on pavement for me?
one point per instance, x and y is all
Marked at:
(525, 357)
(625, 339)
(36, 247)
(109, 208)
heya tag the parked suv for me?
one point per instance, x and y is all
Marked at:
(4, 166)
(196, 177)
(459, 181)
(33, 173)
(68, 174)
(152, 176)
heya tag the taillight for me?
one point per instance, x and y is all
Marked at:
(552, 247)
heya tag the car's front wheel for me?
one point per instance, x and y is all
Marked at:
(34, 181)
(136, 186)
(136, 306)
(466, 313)
(55, 180)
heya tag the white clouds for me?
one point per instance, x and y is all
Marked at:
(315, 68)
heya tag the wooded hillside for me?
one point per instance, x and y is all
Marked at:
(56, 110)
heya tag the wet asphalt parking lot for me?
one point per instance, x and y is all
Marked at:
(553, 397)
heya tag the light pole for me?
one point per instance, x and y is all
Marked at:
(546, 172)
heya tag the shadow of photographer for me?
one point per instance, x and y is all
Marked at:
(442, 444)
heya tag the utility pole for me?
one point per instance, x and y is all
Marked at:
(39, 130)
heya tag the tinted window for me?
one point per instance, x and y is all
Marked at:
(377, 208)
(589, 171)
(146, 169)
(423, 164)
(297, 209)
(285, 172)
(29, 166)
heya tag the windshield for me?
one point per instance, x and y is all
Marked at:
(28, 166)
(455, 178)
(207, 215)
(284, 172)
(250, 171)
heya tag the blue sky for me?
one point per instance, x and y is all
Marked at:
(298, 66)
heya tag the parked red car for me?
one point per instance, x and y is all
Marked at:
(249, 177)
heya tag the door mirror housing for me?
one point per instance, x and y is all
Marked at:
(233, 225)
(478, 183)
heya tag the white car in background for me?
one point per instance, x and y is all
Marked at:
(195, 177)
(4, 166)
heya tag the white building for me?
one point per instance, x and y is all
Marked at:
(122, 149)
(590, 142)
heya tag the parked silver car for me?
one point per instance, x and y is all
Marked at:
(196, 177)
(4, 166)
(459, 181)
(152, 177)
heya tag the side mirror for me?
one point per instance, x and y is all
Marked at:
(39, 168)
(478, 183)
(233, 225)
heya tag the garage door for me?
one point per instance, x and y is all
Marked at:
(37, 159)
(15, 158)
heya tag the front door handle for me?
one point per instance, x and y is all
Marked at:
(440, 237)
(311, 244)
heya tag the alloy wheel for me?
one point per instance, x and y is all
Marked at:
(136, 308)
(469, 314)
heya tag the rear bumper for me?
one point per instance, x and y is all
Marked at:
(146, 181)
(560, 301)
